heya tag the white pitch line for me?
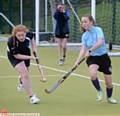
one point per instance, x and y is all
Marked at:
(74, 74)
(3, 57)
(16, 76)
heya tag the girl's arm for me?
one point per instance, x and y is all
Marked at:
(23, 57)
(33, 45)
(66, 15)
(56, 15)
(97, 45)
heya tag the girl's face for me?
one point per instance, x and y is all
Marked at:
(21, 36)
(86, 23)
(61, 8)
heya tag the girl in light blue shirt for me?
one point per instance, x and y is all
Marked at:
(94, 50)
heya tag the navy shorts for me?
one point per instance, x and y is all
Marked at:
(62, 36)
(15, 61)
(103, 62)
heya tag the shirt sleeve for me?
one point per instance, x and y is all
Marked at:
(30, 35)
(100, 33)
(11, 47)
(56, 15)
(66, 15)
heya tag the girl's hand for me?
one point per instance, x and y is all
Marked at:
(76, 64)
(87, 54)
(33, 57)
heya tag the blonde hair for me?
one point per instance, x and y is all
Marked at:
(19, 28)
(16, 29)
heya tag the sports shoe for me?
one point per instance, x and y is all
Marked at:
(61, 62)
(111, 100)
(99, 96)
(64, 58)
(34, 99)
(20, 87)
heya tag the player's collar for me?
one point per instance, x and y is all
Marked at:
(91, 29)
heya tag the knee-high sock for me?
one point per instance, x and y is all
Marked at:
(109, 92)
(96, 84)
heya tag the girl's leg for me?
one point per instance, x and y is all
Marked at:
(22, 70)
(93, 74)
(109, 88)
(60, 49)
(20, 84)
(64, 47)
(59, 41)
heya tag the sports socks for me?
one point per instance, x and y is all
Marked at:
(96, 84)
(109, 92)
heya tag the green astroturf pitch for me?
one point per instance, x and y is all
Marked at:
(75, 97)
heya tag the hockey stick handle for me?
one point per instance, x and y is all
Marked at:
(74, 68)
(78, 64)
(43, 78)
(37, 60)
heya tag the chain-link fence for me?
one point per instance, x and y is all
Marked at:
(107, 16)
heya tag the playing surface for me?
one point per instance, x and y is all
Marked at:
(75, 97)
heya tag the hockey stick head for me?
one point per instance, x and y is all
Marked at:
(56, 85)
(43, 79)
(47, 91)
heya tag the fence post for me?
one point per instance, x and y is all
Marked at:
(1, 10)
(10, 14)
(113, 36)
(113, 20)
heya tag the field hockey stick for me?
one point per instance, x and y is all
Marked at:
(43, 78)
(61, 80)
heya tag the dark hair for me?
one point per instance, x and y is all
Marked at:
(91, 20)
(60, 4)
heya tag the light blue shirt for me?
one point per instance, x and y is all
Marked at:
(90, 38)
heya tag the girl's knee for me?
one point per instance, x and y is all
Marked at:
(93, 76)
(25, 75)
(109, 85)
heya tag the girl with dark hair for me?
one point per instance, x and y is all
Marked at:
(62, 31)
(97, 59)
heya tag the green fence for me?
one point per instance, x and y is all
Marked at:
(107, 16)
